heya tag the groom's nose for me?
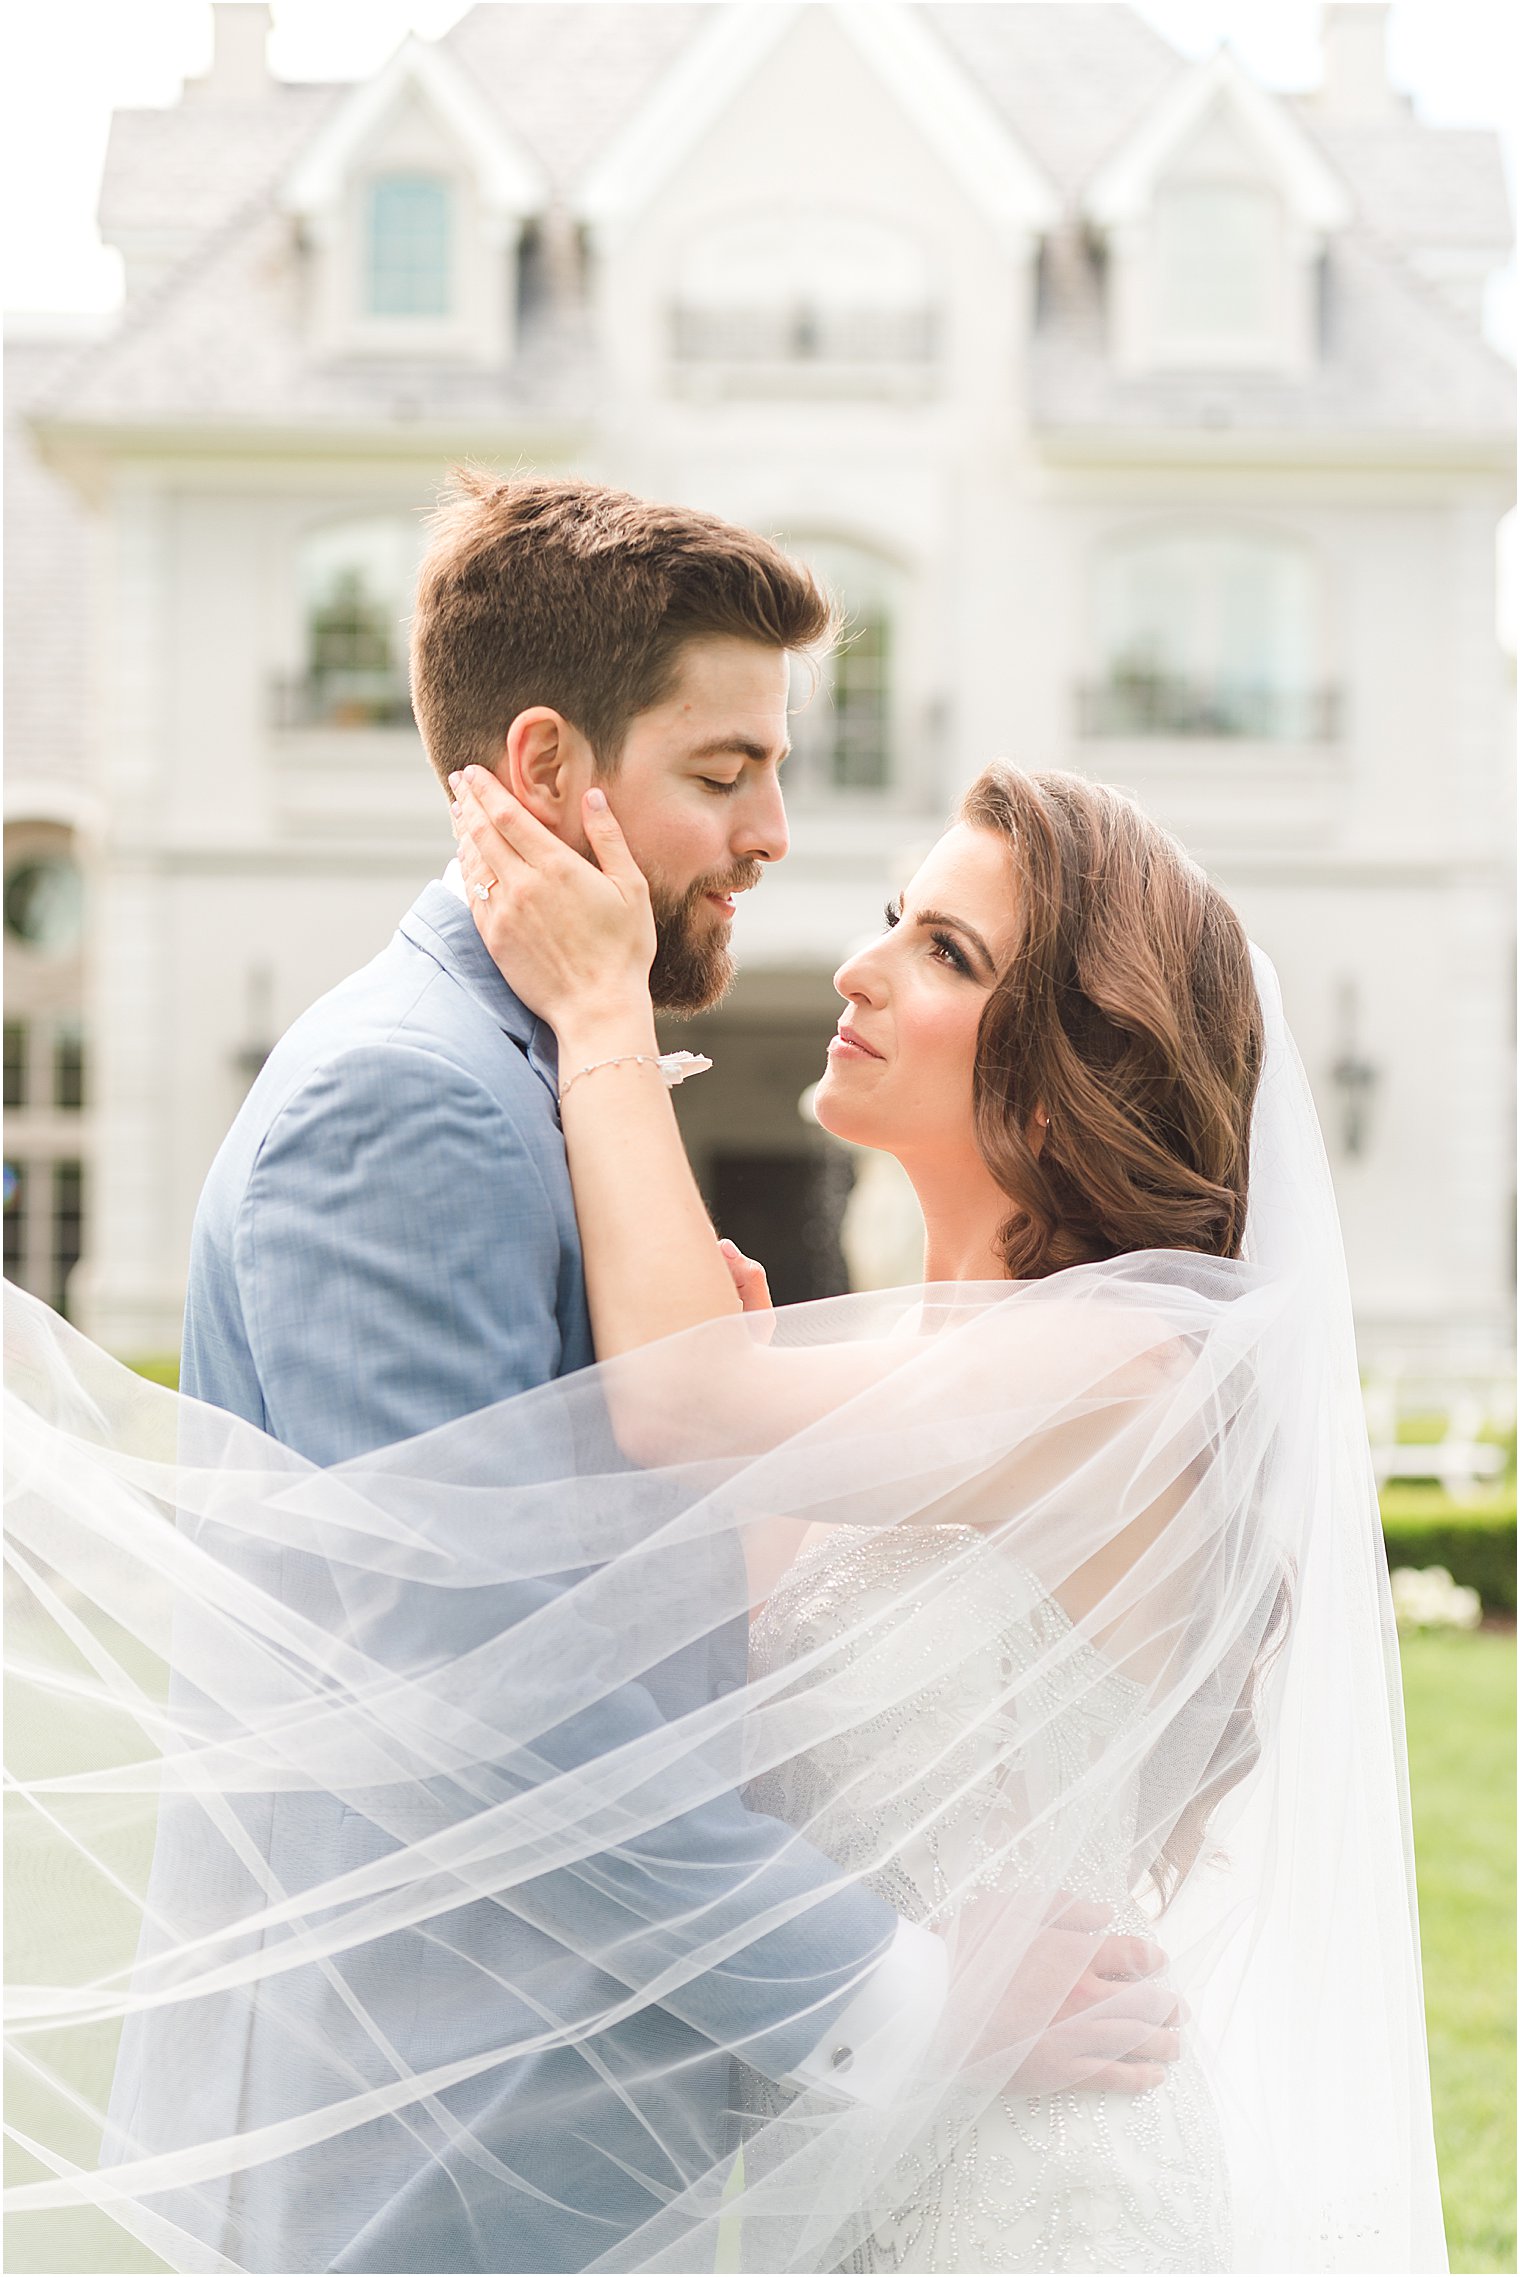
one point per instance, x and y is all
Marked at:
(761, 834)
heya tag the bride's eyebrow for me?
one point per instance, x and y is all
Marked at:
(958, 925)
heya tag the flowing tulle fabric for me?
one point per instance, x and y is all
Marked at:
(324, 1786)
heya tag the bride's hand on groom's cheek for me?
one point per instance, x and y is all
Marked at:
(574, 938)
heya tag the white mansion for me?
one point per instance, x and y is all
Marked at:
(1143, 418)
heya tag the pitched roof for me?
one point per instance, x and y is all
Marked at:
(1070, 81)
(505, 173)
(185, 170)
(564, 77)
(969, 135)
(1124, 184)
(220, 339)
(1395, 361)
(1420, 186)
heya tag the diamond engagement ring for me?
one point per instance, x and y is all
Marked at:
(483, 892)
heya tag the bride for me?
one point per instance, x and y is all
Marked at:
(1061, 1590)
(1059, 1037)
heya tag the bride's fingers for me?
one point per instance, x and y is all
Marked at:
(489, 812)
(1124, 2079)
(484, 854)
(608, 843)
(1138, 1997)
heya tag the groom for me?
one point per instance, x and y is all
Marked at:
(387, 1241)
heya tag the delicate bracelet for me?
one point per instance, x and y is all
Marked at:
(674, 1067)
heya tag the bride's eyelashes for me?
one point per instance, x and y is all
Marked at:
(945, 948)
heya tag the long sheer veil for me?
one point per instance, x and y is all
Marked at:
(368, 1825)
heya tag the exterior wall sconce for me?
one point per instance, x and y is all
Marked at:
(1354, 1075)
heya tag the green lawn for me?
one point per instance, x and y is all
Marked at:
(1459, 1693)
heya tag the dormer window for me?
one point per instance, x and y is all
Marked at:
(1214, 218)
(409, 246)
(410, 206)
(1218, 270)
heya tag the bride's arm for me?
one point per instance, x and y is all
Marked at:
(576, 939)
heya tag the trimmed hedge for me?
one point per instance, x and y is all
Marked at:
(1476, 1546)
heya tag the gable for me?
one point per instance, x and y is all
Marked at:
(420, 109)
(806, 92)
(1216, 107)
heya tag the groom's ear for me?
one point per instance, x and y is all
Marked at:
(546, 764)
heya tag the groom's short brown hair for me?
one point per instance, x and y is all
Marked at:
(572, 595)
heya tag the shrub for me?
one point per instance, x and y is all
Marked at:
(1475, 1543)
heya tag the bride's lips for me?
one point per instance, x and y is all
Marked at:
(847, 1045)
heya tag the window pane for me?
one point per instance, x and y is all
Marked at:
(15, 1220)
(15, 1063)
(409, 234)
(68, 1226)
(1207, 635)
(68, 1066)
(44, 904)
(1217, 253)
(356, 581)
(843, 729)
(860, 708)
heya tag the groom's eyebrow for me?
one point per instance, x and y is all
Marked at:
(739, 747)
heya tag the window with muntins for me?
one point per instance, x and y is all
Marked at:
(1207, 635)
(843, 712)
(410, 246)
(1218, 254)
(355, 584)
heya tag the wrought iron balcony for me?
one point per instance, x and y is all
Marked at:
(1157, 704)
(342, 697)
(804, 334)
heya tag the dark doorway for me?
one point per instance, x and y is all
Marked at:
(785, 1210)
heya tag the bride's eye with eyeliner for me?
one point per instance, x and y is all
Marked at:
(946, 947)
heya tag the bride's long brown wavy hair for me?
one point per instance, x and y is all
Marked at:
(1128, 1016)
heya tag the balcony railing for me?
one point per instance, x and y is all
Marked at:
(1160, 705)
(804, 334)
(341, 698)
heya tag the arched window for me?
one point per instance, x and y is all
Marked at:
(1207, 634)
(842, 711)
(409, 246)
(804, 289)
(355, 583)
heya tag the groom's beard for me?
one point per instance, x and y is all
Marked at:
(693, 967)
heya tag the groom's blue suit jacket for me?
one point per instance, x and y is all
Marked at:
(386, 1241)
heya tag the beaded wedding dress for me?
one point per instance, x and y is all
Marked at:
(1072, 2180)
